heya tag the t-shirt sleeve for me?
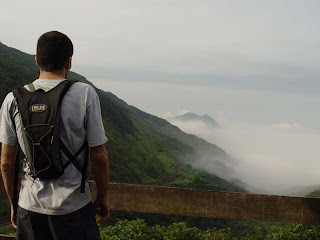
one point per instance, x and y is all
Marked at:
(8, 134)
(94, 126)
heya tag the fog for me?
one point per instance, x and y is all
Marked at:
(277, 158)
(273, 137)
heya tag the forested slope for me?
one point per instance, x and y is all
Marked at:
(143, 148)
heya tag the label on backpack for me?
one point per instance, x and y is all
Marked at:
(38, 108)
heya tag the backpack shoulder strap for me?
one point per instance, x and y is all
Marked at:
(16, 165)
(31, 87)
(73, 160)
(15, 196)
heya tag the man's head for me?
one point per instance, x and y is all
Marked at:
(54, 51)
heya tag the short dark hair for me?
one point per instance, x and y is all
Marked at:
(53, 50)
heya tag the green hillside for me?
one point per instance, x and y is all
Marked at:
(143, 148)
(314, 194)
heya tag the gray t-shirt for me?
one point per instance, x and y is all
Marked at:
(81, 119)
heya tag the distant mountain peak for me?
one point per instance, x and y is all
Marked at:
(190, 117)
(189, 114)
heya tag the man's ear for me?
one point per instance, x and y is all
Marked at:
(35, 59)
(68, 63)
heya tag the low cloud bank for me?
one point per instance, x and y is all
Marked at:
(276, 159)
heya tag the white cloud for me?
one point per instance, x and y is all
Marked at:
(272, 158)
(242, 42)
(166, 115)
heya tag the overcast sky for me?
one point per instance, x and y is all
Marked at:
(257, 60)
(254, 62)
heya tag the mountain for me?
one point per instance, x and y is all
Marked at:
(301, 191)
(314, 194)
(142, 148)
(192, 117)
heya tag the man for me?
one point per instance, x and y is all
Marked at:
(56, 208)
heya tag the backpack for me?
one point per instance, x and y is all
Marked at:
(40, 114)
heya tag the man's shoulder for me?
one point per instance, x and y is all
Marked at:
(83, 86)
(81, 90)
(8, 99)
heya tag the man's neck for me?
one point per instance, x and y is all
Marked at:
(58, 75)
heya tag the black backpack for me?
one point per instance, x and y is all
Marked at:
(40, 119)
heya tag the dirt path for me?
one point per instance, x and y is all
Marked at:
(172, 177)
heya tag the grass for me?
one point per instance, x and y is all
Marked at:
(168, 161)
(8, 230)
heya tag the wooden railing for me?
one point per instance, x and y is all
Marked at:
(210, 204)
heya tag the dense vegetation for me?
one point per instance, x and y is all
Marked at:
(139, 230)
